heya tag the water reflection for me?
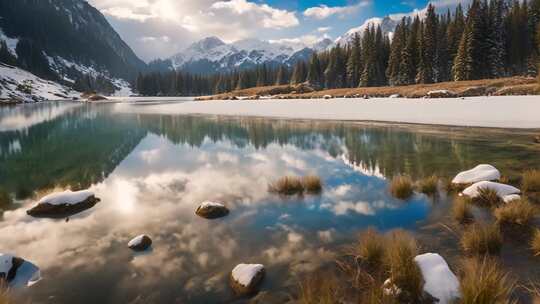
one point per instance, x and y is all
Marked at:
(151, 172)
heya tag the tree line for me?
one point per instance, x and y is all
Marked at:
(492, 39)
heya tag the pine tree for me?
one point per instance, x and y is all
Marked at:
(282, 75)
(444, 63)
(463, 63)
(354, 62)
(495, 48)
(396, 49)
(314, 72)
(428, 47)
(299, 73)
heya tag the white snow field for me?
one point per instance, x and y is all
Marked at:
(498, 112)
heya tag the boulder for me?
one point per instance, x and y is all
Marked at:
(474, 91)
(96, 97)
(501, 189)
(327, 97)
(510, 198)
(477, 174)
(394, 96)
(212, 210)
(140, 243)
(8, 267)
(246, 277)
(63, 204)
(440, 282)
(441, 94)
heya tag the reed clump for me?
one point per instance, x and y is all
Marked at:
(402, 187)
(461, 210)
(294, 185)
(518, 212)
(483, 281)
(482, 239)
(429, 185)
(531, 181)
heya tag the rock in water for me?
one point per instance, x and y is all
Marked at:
(440, 281)
(246, 277)
(477, 174)
(501, 189)
(212, 210)
(63, 204)
(8, 267)
(140, 243)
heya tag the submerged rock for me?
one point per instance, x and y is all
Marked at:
(501, 189)
(440, 282)
(212, 210)
(246, 277)
(63, 204)
(140, 243)
(477, 174)
(8, 267)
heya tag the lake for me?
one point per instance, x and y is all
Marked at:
(151, 172)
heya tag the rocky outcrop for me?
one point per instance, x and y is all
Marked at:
(245, 278)
(212, 210)
(441, 94)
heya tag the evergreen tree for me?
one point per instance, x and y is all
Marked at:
(314, 73)
(463, 63)
(5, 54)
(299, 73)
(354, 62)
(495, 48)
(428, 47)
(282, 75)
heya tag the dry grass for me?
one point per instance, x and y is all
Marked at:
(518, 212)
(429, 185)
(487, 197)
(482, 240)
(288, 185)
(371, 249)
(535, 242)
(4, 295)
(401, 187)
(320, 288)
(531, 181)
(484, 282)
(5, 198)
(312, 184)
(461, 210)
(401, 250)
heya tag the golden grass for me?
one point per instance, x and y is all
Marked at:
(482, 240)
(4, 295)
(312, 184)
(288, 185)
(484, 282)
(429, 185)
(401, 187)
(461, 210)
(320, 288)
(518, 212)
(535, 242)
(401, 250)
(487, 197)
(371, 249)
(531, 181)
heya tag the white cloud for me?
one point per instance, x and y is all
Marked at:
(324, 29)
(323, 11)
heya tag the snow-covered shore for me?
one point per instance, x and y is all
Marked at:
(497, 112)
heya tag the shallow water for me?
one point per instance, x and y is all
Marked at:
(151, 172)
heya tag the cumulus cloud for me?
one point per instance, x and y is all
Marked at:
(323, 11)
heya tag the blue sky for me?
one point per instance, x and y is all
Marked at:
(161, 28)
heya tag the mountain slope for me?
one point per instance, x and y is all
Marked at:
(73, 37)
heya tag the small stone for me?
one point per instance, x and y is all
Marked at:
(246, 277)
(140, 243)
(212, 210)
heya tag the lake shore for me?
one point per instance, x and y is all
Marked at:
(514, 112)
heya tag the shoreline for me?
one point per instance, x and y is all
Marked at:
(505, 112)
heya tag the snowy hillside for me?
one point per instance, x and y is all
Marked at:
(22, 86)
(388, 25)
(212, 54)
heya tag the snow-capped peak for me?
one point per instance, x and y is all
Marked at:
(388, 25)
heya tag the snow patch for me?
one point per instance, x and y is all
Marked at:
(209, 204)
(501, 189)
(477, 174)
(245, 273)
(10, 42)
(440, 281)
(136, 241)
(66, 198)
(511, 198)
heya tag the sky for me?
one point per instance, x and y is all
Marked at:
(161, 28)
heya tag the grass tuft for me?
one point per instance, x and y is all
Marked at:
(312, 184)
(321, 288)
(4, 294)
(518, 212)
(483, 281)
(429, 185)
(482, 240)
(461, 210)
(401, 187)
(531, 181)
(371, 249)
(5, 198)
(404, 272)
(535, 242)
(288, 185)
(487, 197)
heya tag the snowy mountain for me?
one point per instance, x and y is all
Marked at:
(212, 54)
(66, 41)
(388, 25)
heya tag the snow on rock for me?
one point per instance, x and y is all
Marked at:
(477, 174)
(394, 96)
(501, 189)
(63, 204)
(140, 243)
(441, 94)
(212, 210)
(246, 277)
(511, 198)
(440, 281)
(8, 267)
(22, 86)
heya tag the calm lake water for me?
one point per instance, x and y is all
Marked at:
(152, 171)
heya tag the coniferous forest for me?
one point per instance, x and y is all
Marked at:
(488, 39)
